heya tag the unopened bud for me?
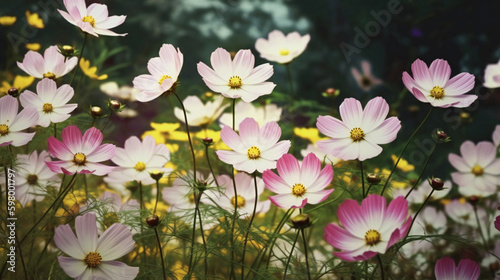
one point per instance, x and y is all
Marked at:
(153, 220)
(207, 141)
(96, 111)
(436, 183)
(14, 92)
(156, 174)
(209, 94)
(474, 200)
(440, 136)
(115, 105)
(202, 185)
(331, 92)
(301, 221)
(373, 178)
(67, 50)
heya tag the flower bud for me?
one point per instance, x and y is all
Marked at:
(202, 185)
(301, 221)
(115, 104)
(208, 94)
(153, 220)
(96, 111)
(373, 178)
(331, 92)
(436, 183)
(67, 50)
(14, 92)
(156, 174)
(474, 200)
(440, 136)
(207, 141)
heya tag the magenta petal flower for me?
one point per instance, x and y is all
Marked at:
(91, 256)
(79, 154)
(93, 20)
(466, 270)
(51, 65)
(368, 229)
(237, 78)
(360, 132)
(164, 72)
(255, 149)
(11, 123)
(298, 185)
(497, 223)
(433, 84)
(281, 48)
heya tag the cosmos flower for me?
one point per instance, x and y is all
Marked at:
(433, 84)
(92, 256)
(126, 93)
(93, 20)
(261, 114)
(254, 149)
(462, 212)
(497, 222)
(478, 169)
(298, 184)
(358, 134)
(34, 20)
(51, 65)
(492, 75)
(199, 114)
(80, 154)
(11, 123)
(50, 102)
(91, 71)
(7, 20)
(365, 80)
(163, 74)
(237, 78)
(369, 229)
(466, 270)
(281, 48)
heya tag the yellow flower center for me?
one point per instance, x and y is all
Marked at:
(284, 52)
(140, 166)
(47, 108)
(253, 153)
(191, 198)
(235, 82)
(477, 170)
(32, 179)
(93, 259)
(240, 203)
(437, 92)
(49, 75)
(89, 19)
(298, 190)
(163, 78)
(79, 159)
(357, 134)
(372, 237)
(4, 129)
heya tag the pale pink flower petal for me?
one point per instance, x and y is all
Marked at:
(445, 269)
(280, 48)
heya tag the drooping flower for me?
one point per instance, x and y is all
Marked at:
(51, 65)
(199, 114)
(19, 83)
(262, 114)
(80, 154)
(91, 72)
(126, 93)
(360, 132)
(254, 149)
(237, 77)
(93, 20)
(92, 256)
(433, 84)
(478, 169)
(298, 184)
(369, 229)
(492, 75)
(163, 74)
(11, 123)
(50, 102)
(281, 48)
(7, 20)
(34, 20)
(365, 80)
(466, 270)
(137, 159)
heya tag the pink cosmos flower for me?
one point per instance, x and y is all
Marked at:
(365, 80)
(478, 169)
(281, 48)
(369, 229)
(51, 65)
(433, 84)
(238, 77)
(358, 134)
(93, 20)
(80, 154)
(50, 102)
(199, 114)
(492, 76)
(164, 71)
(298, 185)
(137, 159)
(466, 270)
(11, 123)
(255, 149)
(93, 257)
(497, 221)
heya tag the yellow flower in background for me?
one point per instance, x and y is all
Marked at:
(311, 134)
(396, 184)
(215, 135)
(7, 20)
(162, 207)
(91, 71)
(166, 131)
(20, 82)
(34, 20)
(33, 46)
(403, 164)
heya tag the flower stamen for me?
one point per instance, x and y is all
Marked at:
(4, 129)
(437, 92)
(32, 179)
(298, 190)
(235, 82)
(89, 19)
(49, 75)
(357, 134)
(93, 259)
(284, 52)
(253, 152)
(47, 108)
(79, 159)
(241, 201)
(477, 170)
(372, 237)
(163, 78)
(140, 166)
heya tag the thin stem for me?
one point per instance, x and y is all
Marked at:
(381, 266)
(161, 254)
(193, 235)
(368, 190)
(249, 225)
(55, 130)
(79, 58)
(157, 195)
(276, 231)
(22, 259)
(235, 200)
(305, 252)
(189, 135)
(479, 228)
(211, 170)
(404, 149)
(203, 238)
(362, 177)
(85, 185)
(422, 172)
(418, 211)
(291, 253)
(107, 120)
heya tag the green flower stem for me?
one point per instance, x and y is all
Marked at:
(381, 266)
(193, 234)
(79, 57)
(249, 226)
(203, 239)
(157, 195)
(422, 172)
(485, 244)
(362, 177)
(291, 253)
(211, 169)
(276, 231)
(305, 252)
(404, 149)
(235, 200)
(55, 130)
(416, 214)
(161, 254)
(107, 121)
